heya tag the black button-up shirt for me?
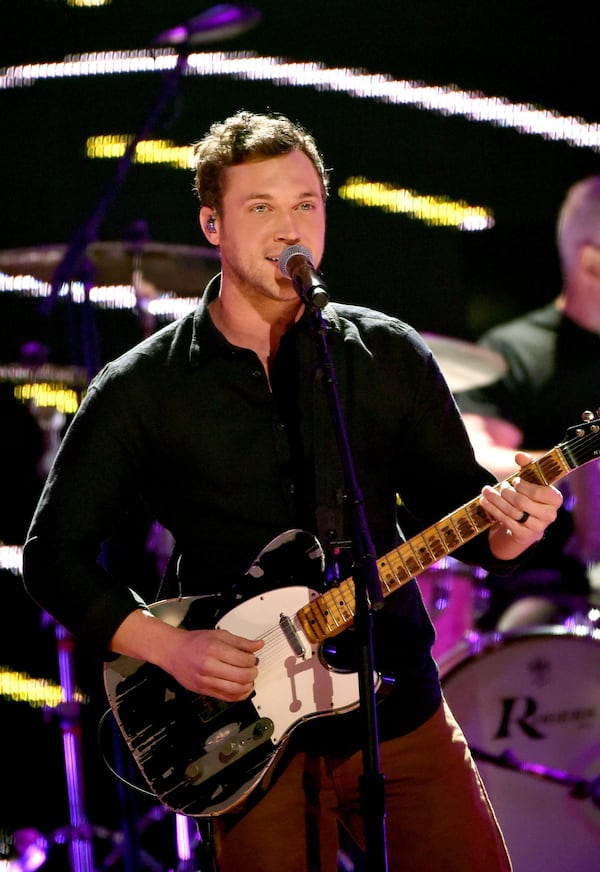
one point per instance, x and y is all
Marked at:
(188, 424)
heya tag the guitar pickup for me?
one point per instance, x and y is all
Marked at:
(292, 636)
(229, 751)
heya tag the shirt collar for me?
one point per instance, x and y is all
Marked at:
(207, 341)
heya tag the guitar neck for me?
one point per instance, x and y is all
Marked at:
(333, 611)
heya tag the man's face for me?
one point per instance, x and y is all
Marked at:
(266, 206)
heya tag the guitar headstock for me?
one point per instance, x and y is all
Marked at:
(582, 441)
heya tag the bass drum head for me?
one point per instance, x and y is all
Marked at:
(529, 705)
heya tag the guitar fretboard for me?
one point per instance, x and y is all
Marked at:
(334, 610)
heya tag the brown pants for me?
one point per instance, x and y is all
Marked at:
(438, 816)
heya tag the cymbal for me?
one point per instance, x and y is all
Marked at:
(463, 364)
(182, 269)
(22, 373)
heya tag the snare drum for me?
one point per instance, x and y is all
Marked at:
(454, 595)
(529, 705)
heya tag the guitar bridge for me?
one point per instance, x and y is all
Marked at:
(291, 635)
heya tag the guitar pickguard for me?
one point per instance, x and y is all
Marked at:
(199, 755)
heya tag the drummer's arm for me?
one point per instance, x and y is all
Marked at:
(495, 442)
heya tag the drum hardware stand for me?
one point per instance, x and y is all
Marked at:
(79, 834)
(581, 788)
(80, 841)
(154, 815)
(190, 835)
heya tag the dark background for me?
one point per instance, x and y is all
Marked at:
(440, 280)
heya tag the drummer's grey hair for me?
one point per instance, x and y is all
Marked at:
(578, 221)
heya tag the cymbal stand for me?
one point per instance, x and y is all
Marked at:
(79, 834)
(184, 837)
(80, 842)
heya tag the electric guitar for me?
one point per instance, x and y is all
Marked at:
(203, 757)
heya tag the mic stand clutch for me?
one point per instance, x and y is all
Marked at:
(368, 596)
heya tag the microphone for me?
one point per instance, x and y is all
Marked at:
(295, 262)
(219, 22)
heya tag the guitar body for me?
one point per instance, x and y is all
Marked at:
(203, 757)
(200, 756)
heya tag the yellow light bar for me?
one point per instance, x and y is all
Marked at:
(48, 396)
(435, 211)
(149, 151)
(37, 692)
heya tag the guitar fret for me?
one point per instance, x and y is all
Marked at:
(336, 605)
(435, 543)
(328, 610)
(384, 583)
(388, 575)
(409, 559)
(311, 619)
(422, 553)
(535, 474)
(459, 538)
(346, 596)
(445, 539)
(478, 516)
(466, 529)
(384, 578)
(550, 469)
(400, 568)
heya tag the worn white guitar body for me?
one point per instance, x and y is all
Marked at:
(291, 685)
(203, 757)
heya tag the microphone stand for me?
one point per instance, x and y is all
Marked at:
(368, 597)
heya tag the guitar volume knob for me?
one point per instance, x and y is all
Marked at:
(229, 750)
(194, 771)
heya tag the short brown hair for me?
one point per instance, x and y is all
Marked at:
(244, 137)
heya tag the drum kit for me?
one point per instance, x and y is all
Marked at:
(528, 700)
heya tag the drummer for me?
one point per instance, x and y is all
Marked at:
(552, 375)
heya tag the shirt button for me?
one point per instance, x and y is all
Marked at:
(292, 488)
(280, 425)
(257, 373)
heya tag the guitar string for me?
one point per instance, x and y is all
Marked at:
(274, 637)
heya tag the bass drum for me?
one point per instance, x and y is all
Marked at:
(529, 705)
